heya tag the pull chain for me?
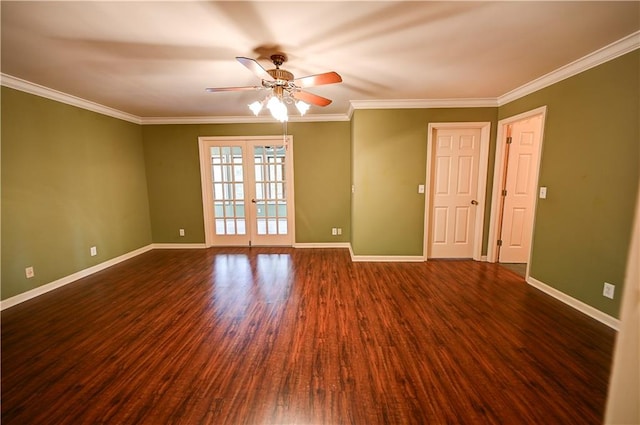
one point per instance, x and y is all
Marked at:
(284, 134)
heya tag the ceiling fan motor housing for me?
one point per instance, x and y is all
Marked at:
(280, 74)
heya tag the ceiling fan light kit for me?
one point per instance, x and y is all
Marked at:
(278, 107)
(283, 88)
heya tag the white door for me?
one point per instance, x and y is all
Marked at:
(247, 191)
(454, 192)
(520, 190)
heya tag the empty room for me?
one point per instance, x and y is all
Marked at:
(337, 212)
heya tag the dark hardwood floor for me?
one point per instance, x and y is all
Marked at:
(297, 336)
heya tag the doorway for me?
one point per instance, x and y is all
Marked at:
(457, 156)
(247, 190)
(517, 165)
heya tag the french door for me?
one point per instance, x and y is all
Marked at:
(247, 191)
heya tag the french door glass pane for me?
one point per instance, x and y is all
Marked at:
(282, 226)
(272, 226)
(228, 190)
(261, 209)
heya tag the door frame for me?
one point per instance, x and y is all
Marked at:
(485, 132)
(207, 201)
(498, 177)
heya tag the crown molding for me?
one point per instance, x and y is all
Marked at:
(350, 111)
(423, 103)
(42, 91)
(240, 120)
(605, 54)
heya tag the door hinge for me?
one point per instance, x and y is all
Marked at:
(499, 242)
(509, 140)
(504, 192)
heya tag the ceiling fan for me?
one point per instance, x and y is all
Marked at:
(283, 87)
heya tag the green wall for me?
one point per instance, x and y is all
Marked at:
(322, 164)
(389, 162)
(71, 179)
(590, 163)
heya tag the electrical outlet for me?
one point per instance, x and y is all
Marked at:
(339, 230)
(181, 232)
(608, 290)
(29, 272)
(93, 251)
(334, 231)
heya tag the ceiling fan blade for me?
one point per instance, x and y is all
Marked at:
(311, 98)
(318, 79)
(255, 67)
(219, 89)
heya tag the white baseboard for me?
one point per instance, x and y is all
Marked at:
(25, 296)
(592, 312)
(322, 245)
(385, 258)
(178, 246)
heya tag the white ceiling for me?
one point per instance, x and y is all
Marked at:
(154, 59)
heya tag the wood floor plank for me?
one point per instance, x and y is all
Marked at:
(285, 336)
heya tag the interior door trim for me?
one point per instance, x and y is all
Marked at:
(485, 133)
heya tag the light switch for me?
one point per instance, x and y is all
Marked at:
(420, 188)
(543, 192)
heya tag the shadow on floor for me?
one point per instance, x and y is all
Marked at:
(519, 268)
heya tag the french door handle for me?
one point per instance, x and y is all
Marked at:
(254, 201)
(474, 202)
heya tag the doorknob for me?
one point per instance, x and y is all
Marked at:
(254, 201)
(474, 202)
